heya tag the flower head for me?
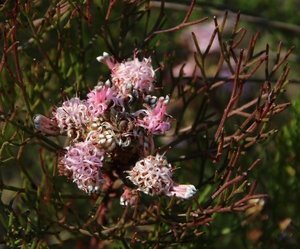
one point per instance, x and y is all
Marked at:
(82, 163)
(99, 100)
(133, 75)
(72, 117)
(153, 175)
(155, 120)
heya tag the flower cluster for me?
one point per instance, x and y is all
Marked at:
(72, 117)
(107, 130)
(153, 175)
(130, 76)
(82, 163)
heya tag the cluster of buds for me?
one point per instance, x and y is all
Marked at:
(113, 127)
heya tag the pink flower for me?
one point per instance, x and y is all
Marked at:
(133, 75)
(130, 75)
(155, 120)
(99, 100)
(82, 163)
(46, 125)
(72, 117)
(152, 175)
